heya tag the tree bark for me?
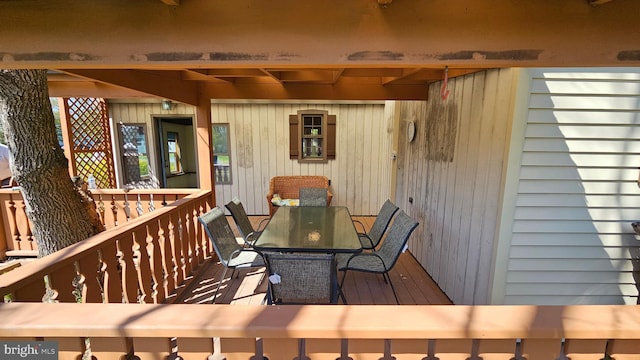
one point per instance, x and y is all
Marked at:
(39, 166)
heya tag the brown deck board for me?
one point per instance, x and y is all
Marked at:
(412, 283)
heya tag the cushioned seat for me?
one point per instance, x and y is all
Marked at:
(288, 187)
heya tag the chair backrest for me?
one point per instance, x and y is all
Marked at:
(313, 197)
(240, 217)
(304, 277)
(397, 237)
(383, 219)
(288, 187)
(219, 232)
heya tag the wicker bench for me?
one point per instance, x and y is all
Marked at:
(288, 187)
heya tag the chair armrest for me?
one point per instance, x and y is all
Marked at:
(270, 204)
(346, 266)
(265, 221)
(366, 237)
(251, 238)
(329, 197)
(364, 230)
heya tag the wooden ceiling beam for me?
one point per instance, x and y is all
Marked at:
(299, 91)
(94, 89)
(302, 75)
(201, 75)
(234, 73)
(164, 84)
(357, 33)
(373, 72)
(598, 2)
(405, 74)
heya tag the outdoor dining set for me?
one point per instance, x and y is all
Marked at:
(303, 247)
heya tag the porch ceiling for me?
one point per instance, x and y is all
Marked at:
(193, 50)
(182, 84)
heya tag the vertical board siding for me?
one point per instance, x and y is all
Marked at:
(572, 241)
(452, 170)
(360, 175)
(260, 151)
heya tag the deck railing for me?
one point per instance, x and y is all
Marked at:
(110, 296)
(197, 331)
(115, 207)
(141, 261)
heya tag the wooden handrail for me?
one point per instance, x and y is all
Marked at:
(330, 332)
(149, 257)
(110, 295)
(115, 207)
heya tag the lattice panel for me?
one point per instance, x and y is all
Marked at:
(131, 164)
(91, 140)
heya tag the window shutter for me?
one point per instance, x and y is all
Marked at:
(331, 137)
(293, 136)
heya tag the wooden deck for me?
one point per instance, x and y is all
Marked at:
(412, 283)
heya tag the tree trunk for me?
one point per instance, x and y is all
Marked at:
(39, 166)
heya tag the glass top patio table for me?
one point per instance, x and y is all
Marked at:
(327, 229)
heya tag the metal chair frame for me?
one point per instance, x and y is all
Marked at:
(382, 260)
(239, 215)
(231, 254)
(372, 238)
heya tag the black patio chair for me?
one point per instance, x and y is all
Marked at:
(312, 196)
(301, 278)
(371, 239)
(230, 253)
(382, 260)
(239, 215)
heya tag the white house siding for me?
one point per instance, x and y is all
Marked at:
(575, 190)
(360, 175)
(453, 172)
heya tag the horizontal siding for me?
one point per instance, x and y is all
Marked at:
(579, 277)
(604, 266)
(582, 117)
(550, 199)
(575, 213)
(567, 226)
(572, 241)
(566, 131)
(561, 252)
(586, 299)
(613, 187)
(574, 173)
(591, 86)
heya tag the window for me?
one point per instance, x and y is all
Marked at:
(135, 156)
(173, 147)
(312, 136)
(221, 153)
